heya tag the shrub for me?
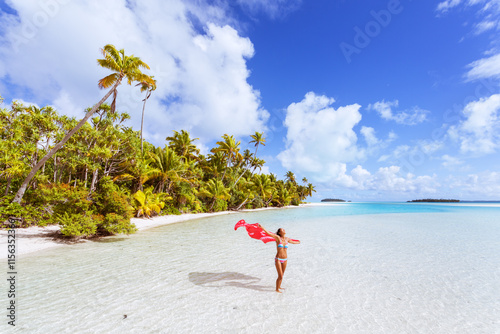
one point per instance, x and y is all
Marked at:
(61, 198)
(170, 210)
(29, 214)
(148, 204)
(115, 224)
(109, 198)
(76, 224)
(220, 205)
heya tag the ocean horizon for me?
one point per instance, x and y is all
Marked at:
(360, 268)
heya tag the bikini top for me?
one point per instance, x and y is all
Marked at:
(280, 245)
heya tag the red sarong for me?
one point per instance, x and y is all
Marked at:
(254, 231)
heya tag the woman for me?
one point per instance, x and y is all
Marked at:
(281, 257)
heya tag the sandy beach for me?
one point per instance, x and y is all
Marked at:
(34, 239)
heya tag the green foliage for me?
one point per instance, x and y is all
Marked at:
(100, 178)
(148, 204)
(115, 224)
(220, 205)
(29, 214)
(62, 198)
(171, 210)
(109, 198)
(77, 224)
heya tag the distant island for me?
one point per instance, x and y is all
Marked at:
(332, 200)
(432, 200)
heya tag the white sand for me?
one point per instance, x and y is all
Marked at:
(34, 239)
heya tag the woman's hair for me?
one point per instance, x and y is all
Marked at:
(279, 232)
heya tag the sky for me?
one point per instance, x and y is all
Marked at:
(368, 100)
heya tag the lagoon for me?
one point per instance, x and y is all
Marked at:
(360, 268)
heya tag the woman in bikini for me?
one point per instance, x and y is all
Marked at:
(281, 257)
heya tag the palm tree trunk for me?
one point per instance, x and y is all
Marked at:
(94, 179)
(142, 122)
(8, 186)
(212, 206)
(239, 206)
(86, 174)
(267, 203)
(55, 169)
(244, 171)
(24, 185)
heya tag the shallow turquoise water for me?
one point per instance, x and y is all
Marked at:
(361, 268)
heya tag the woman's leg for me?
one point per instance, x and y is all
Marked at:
(283, 268)
(280, 274)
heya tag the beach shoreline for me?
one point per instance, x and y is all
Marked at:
(34, 239)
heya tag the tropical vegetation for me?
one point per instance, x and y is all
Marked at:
(91, 176)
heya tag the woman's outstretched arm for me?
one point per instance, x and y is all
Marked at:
(269, 233)
(293, 241)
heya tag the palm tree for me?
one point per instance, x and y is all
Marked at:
(123, 67)
(246, 162)
(215, 190)
(284, 196)
(183, 145)
(264, 185)
(310, 189)
(146, 86)
(230, 149)
(290, 177)
(258, 139)
(167, 168)
(138, 171)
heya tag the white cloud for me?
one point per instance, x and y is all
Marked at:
(485, 185)
(488, 22)
(320, 137)
(413, 116)
(486, 5)
(451, 162)
(369, 134)
(273, 8)
(386, 179)
(485, 26)
(484, 68)
(479, 133)
(447, 5)
(199, 63)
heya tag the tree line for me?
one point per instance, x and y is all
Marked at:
(91, 176)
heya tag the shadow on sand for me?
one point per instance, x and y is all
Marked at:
(225, 279)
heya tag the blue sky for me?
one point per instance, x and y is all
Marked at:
(369, 100)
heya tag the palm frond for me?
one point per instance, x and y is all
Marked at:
(108, 81)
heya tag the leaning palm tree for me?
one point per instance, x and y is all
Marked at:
(123, 67)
